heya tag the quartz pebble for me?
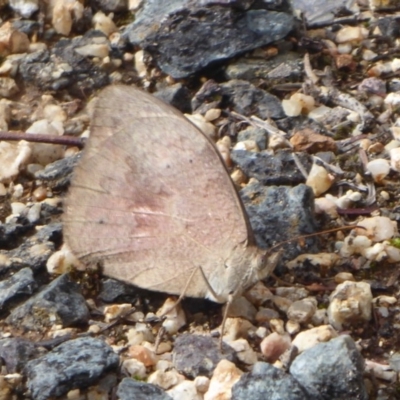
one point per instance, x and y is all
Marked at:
(116, 310)
(351, 33)
(103, 23)
(62, 261)
(243, 351)
(135, 368)
(311, 337)
(378, 228)
(185, 390)
(301, 311)
(274, 345)
(165, 379)
(206, 127)
(319, 179)
(225, 375)
(379, 169)
(174, 316)
(142, 354)
(350, 302)
(395, 159)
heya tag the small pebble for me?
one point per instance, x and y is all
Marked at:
(319, 179)
(135, 368)
(350, 302)
(225, 375)
(165, 379)
(379, 169)
(311, 337)
(274, 345)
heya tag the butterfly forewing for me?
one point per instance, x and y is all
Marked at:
(151, 199)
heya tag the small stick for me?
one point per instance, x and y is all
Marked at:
(42, 138)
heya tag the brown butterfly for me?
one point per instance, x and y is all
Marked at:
(152, 202)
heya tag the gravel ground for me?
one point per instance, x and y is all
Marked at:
(302, 101)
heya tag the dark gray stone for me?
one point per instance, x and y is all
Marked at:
(185, 36)
(16, 352)
(195, 355)
(49, 69)
(267, 382)
(112, 5)
(177, 96)
(117, 291)
(11, 232)
(35, 250)
(272, 169)
(281, 213)
(130, 389)
(282, 68)
(77, 363)
(331, 371)
(246, 99)
(58, 174)
(16, 287)
(259, 135)
(60, 302)
(318, 13)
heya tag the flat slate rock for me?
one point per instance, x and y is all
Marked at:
(75, 364)
(279, 213)
(331, 371)
(129, 389)
(213, 31)
(195, 355)
(60, 302)
(267, 382)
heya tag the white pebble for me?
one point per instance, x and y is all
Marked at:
(174, 316)
(319, 179)
(379, 169)
(212, 114)
(350, 302)
(116, 310)
(395, 159)
(224, 377)
(185, 390)
(292, 108)
(378, 228)
(206, 127)
(243, 351)
(202, 383)
(311, 337)
(351, 33)
(103, 23)
(135, 368)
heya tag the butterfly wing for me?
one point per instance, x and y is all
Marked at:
(151, 199)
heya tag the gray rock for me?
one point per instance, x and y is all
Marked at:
(58, 174)
(195, 355)
(331, 371)
(11, 232)
(277, 169)
(282, 68)
(16, 352)
(247, 100)
(177, 95)
(259, 135)
(280, 213)
(64, 68)
(60, 302)
(16, 287)
(213, 31)
(130, 389)
(267, 382)
(74, 364)
(25, 8)
(117, 291)
(112, 5)
(35, 250)
(318, 13)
